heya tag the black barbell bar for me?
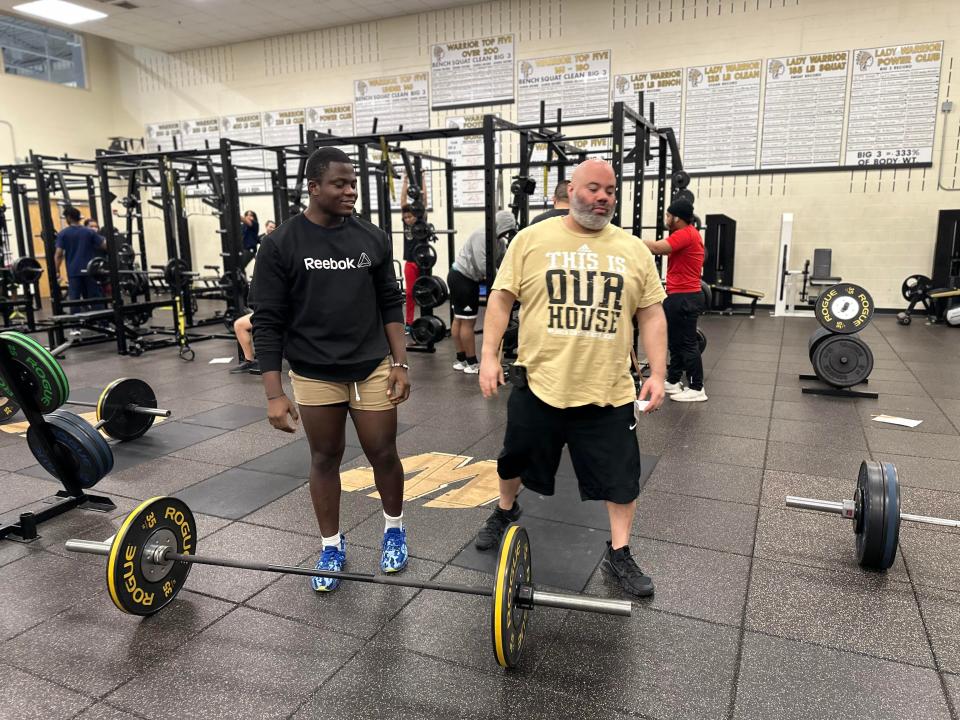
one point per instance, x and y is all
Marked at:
(162, 555)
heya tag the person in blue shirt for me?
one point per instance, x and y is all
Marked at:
(78, 245)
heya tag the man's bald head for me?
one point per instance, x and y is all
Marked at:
(593, 170)
(593, 194)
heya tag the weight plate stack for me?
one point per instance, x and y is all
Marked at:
(428, 329)
(844, 308)
(842, 361)
(96, 439)
(430, 291)
(73, 443)
(818, 335)
(136, 585)
(48, 383)
(701, 340)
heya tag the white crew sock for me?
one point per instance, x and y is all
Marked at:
(392, 522)
(331, 541)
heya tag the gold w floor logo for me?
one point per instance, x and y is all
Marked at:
(459, 482)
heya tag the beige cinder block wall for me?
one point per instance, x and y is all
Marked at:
(881, 225)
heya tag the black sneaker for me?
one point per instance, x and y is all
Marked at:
(619, 565)
(243, 367)
(492, 531)
(254, 368)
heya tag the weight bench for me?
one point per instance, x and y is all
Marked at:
(83, 317)
(821, 278)
(754, 295)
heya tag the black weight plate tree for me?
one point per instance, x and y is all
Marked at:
(424, 255)
(95, 438)
(114, 405)
(37, 369)
(842, 361)
(914, 287)
(877, 515)
(137, 585)
(430, 291)
(844, 308)
(72, 443)
(509, 616)
(427, 329)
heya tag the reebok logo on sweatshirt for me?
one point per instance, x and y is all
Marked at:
(331, 264)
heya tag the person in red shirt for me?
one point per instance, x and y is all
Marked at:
(684, 301)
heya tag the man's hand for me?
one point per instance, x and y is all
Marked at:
(652, 391)
(398, 385)
(277, 411)
(491, 376)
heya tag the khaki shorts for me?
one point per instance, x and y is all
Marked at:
(369, 394)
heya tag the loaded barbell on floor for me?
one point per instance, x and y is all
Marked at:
(126, 409)
(875, 511)
(150, 556)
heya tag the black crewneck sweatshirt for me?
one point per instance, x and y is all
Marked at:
(323, 297)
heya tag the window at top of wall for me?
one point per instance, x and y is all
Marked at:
(32, 50)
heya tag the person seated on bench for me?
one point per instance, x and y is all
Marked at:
(79, 245)
(243, 329)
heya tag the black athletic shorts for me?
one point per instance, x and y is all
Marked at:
(464, 295)
(603, 448)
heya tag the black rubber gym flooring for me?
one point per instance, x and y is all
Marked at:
(760, 611)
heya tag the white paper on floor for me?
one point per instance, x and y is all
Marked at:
(220, 361)
(894, 420)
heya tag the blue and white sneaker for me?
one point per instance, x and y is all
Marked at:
(394, 557)
(331, 559)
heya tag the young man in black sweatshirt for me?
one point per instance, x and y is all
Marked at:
(328, 300)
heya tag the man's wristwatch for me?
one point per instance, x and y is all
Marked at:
(400, 365)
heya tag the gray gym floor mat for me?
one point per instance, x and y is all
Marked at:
(228, 417)
(564, 556)
(236, 493)
(293, 459)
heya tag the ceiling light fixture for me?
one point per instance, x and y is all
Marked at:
(59, 11)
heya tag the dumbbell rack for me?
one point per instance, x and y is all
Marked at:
(24, 529)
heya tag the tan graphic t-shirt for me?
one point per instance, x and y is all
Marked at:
(578, 294)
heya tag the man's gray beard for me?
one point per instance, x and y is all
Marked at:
(586, 218)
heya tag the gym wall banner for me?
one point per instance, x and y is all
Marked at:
(803, 110)
(893, 104)
(579, 83)
(160, 136)
(468, 187)
(246, 128)
(722, 116)
(473, 72)
(397, 100)
(664, 88)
